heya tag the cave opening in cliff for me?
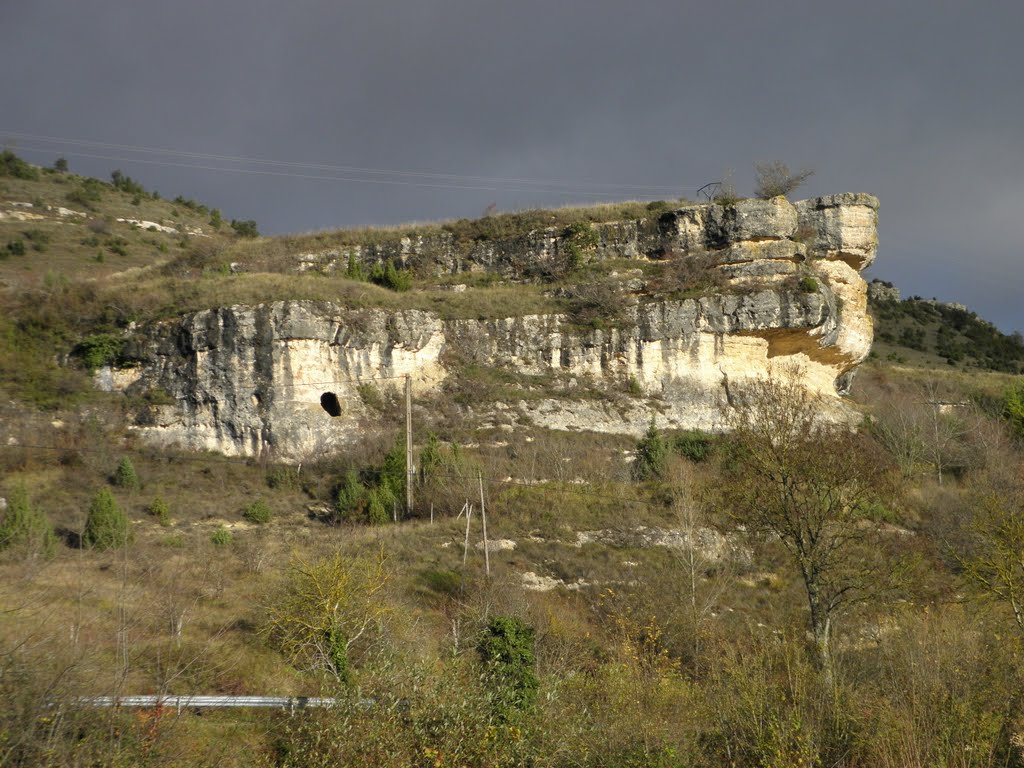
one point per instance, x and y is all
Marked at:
(330, 403)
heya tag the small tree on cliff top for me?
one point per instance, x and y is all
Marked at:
(775, 178)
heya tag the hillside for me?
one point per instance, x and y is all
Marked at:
(927, 332)
(632, 601)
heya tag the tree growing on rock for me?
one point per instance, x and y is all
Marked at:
(774, 179)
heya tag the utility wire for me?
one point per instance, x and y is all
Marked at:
(591, 185)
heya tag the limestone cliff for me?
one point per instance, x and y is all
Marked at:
(251, 380)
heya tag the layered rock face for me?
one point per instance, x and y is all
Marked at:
(252, 380)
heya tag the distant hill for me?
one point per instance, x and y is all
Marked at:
(928, 332)
(56, 225)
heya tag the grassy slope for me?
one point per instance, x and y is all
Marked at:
(625, 633)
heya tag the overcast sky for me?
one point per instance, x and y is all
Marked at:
(527, 103)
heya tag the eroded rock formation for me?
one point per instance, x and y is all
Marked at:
(250, 380)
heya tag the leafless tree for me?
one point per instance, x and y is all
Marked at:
(775, 178)
(814, 487)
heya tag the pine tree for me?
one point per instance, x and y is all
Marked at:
(106, 526)
(26, 527)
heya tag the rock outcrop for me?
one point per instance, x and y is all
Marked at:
(257, 380)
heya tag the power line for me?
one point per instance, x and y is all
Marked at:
(592, 185)
(255, 172)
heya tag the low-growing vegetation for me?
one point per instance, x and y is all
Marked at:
(787, 594)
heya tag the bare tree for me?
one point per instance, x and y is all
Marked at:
(704, 563)
(813, 487)
(993, 562)
(775, 178)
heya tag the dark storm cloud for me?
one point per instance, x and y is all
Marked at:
(918, 103)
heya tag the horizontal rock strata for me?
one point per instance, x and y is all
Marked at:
(251, 380)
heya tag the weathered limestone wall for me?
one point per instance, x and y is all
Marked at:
(247, 380)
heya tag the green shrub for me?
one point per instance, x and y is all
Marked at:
(12, 165)
(60, 165)
(88, 194)
(284, 478)
(354, 270)
(16, 247)
(431, 458)
(125, 476)
(1013, 408)
(128, 185)
(99, 350)
(106, 526)
(577, 238)
(221, 537)
(651, 455)
(506, 648)
(380, 505)
(258, 512)
(161, 511)
(694, 445)
(38, 238)
(388, 276)
(216, 221)
(246, 228)
(350, 502)
(808, 284)
(26, 527)
(117, 246)
(393, 470)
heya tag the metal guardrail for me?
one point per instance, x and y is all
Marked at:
(211, 702)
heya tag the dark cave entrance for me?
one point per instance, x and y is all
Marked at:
(330, 403)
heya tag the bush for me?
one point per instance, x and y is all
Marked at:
(12, 165)
(350, 502)
(125, 476)
(106, 526)
(651, 456)
(775, 178)
(1013, 408)
(246, 228)
(808, 284)
(24, 526)
(354, 270)
(128, 185)
(60, 165)
(161, 511)
(88, 194)
(693, 445)
(506, 650)
(380, 505)
(99, 350)
(221, 537)
(16, 247)
(327, 610)
(387, 276)
(284, 478)
(258, 512)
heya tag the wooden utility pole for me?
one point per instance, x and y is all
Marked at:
(410, 473)
(483, 518)
(465, 546)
